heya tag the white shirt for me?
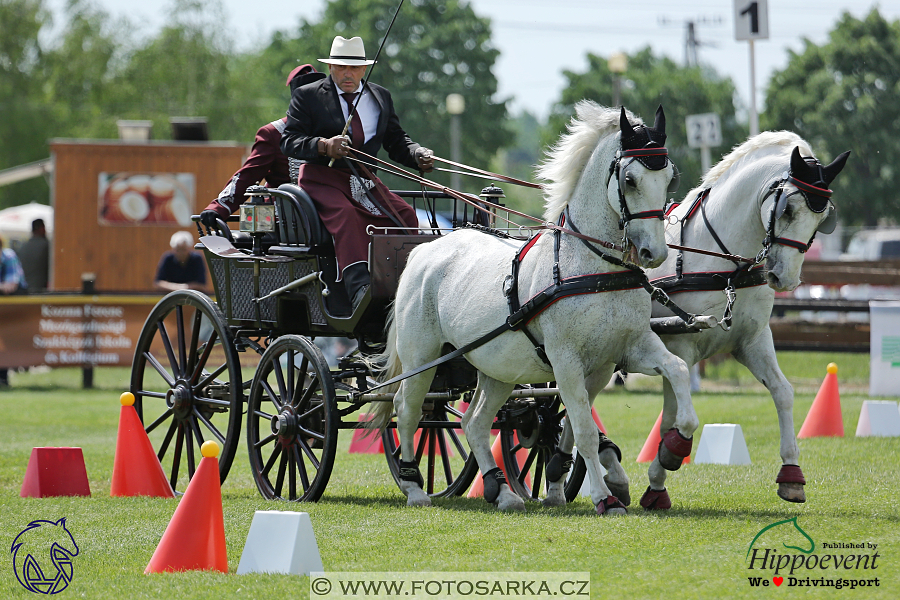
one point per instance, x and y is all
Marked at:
(367, 109)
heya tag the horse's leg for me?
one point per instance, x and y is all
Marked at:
(759, 358)
(575, 397)
(650, 356)
(616, 479)
(408, 404)
(490, 394)
(657, 497)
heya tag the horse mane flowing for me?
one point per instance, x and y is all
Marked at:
(766, 139)
(566, 159)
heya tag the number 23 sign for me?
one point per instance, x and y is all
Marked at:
(751, 20)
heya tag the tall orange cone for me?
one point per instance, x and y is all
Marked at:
(136, 470)
(477, 489)
(195, 537)
(651, 446)
(824, 417)
(363, 444)
(597, 420)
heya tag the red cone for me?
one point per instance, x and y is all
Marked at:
(651, 446)
(195, 537)
(477, 489)
(136, 469)
(55, 472)
(824, 418)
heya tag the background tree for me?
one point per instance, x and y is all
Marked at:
(650, 81)
(843, 96)
(23, 125)
(437, 47)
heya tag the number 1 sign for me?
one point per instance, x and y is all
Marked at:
(751, 20)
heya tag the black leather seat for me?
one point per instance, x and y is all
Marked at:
(298, 221)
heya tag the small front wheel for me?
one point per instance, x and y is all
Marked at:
(292, 421)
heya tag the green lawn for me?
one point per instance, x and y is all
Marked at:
(696, 550)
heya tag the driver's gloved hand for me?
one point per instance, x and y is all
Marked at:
(208, 217)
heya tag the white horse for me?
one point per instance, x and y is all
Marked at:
(766, 199)
(452, 292)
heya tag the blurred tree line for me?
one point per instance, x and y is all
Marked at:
(93, 70)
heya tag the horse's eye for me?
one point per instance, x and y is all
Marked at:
(629, 180)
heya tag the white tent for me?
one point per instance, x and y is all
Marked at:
(15, 221)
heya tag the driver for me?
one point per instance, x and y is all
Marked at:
(349, 202)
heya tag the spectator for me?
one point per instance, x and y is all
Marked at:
(181, 268)
(12, 280)
(35, 258)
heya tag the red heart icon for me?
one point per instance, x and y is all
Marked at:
(778, 580)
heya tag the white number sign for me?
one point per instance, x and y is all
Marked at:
(704, 130)
(751, 20)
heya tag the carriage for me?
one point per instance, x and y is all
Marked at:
(201, 366)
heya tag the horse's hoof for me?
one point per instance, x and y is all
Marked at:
(656, 500)
(554, 500)
(618, 490)
(418, 498)
(610, 506)
(792, 492)
(673, 448)
(509, 501)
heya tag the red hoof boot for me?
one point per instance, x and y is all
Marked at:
(612, 506)
(656, 500)
(673, 448)
(790, 482)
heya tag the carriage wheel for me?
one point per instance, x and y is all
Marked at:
(446, 465)
(292, 421)
(528, 446)
(186, 381)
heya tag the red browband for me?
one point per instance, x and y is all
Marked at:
(646, 152)
(810, 188)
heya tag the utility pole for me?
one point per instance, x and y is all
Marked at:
(691, 43)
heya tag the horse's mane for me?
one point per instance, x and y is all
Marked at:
(566, 159)
(766, 139)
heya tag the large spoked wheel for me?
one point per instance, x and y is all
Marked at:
(292, 421)
(186, 381)
(444, 462)
(528, 444)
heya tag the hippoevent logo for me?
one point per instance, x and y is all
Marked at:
(42, 556)
(784, 554)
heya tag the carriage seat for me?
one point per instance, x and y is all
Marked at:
(298, 221)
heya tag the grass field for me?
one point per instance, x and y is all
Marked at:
(696, 550)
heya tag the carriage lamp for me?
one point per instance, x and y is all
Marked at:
(257, 215)
(493, 194)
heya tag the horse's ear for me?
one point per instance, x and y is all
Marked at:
(798, 165)
(624, 125)
(832, 170)
(660, 124)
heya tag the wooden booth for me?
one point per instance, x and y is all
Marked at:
(117, 204)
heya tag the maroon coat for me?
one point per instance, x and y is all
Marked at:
(266, 162)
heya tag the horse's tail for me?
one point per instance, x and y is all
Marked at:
(386, 365)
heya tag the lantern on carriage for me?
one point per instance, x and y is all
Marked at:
(257, 214)
(492, 194)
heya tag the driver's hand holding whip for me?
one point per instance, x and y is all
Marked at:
(335, 147)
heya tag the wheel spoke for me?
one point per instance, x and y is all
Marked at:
(312, 434)
(211, 401)
(279, 379)
(538, 474)
(458, 443)
(209, 378)
(309, 453)
(301, 379)
(189, 446)
(523, 472)
(431, 456)
(317, 408)
(421, 447)
(445, 456)
(262, 415)
(176, 458)
(292, 476)
(195, 342)
(209, 426)
(167, 440)
(289, 390)
(182, 351)
(170, 381)
(167, 344)
(273, 397)
(265, 441)
(279, 482)
(308, 393)
(158, 421)
(276, 451)
(149, 394)
(301, 466)
(204, 356)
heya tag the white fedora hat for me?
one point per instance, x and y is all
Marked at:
(347, 52)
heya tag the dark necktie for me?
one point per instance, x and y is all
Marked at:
(357, 135)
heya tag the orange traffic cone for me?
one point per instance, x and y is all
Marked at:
(55, 472)
(598, 421)
(651, 446)
(360, 444)
(136, 470)
(477, 489)
(824, 418)
(195, 537)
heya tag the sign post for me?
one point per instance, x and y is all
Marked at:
(751, 22)
(704, 131)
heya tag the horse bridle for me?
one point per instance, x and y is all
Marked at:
(818, 200)
(619, 166)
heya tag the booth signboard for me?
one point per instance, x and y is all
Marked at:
(146, 198)
(884, 357)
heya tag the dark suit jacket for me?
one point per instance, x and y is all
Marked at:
(315, 112)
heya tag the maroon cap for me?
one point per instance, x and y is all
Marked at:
(301, 70)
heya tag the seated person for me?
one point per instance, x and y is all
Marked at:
(181, 268)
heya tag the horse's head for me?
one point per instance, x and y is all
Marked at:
(794, 210)
(640, 177)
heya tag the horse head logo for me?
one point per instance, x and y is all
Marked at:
(42, 556)
(784, 532)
